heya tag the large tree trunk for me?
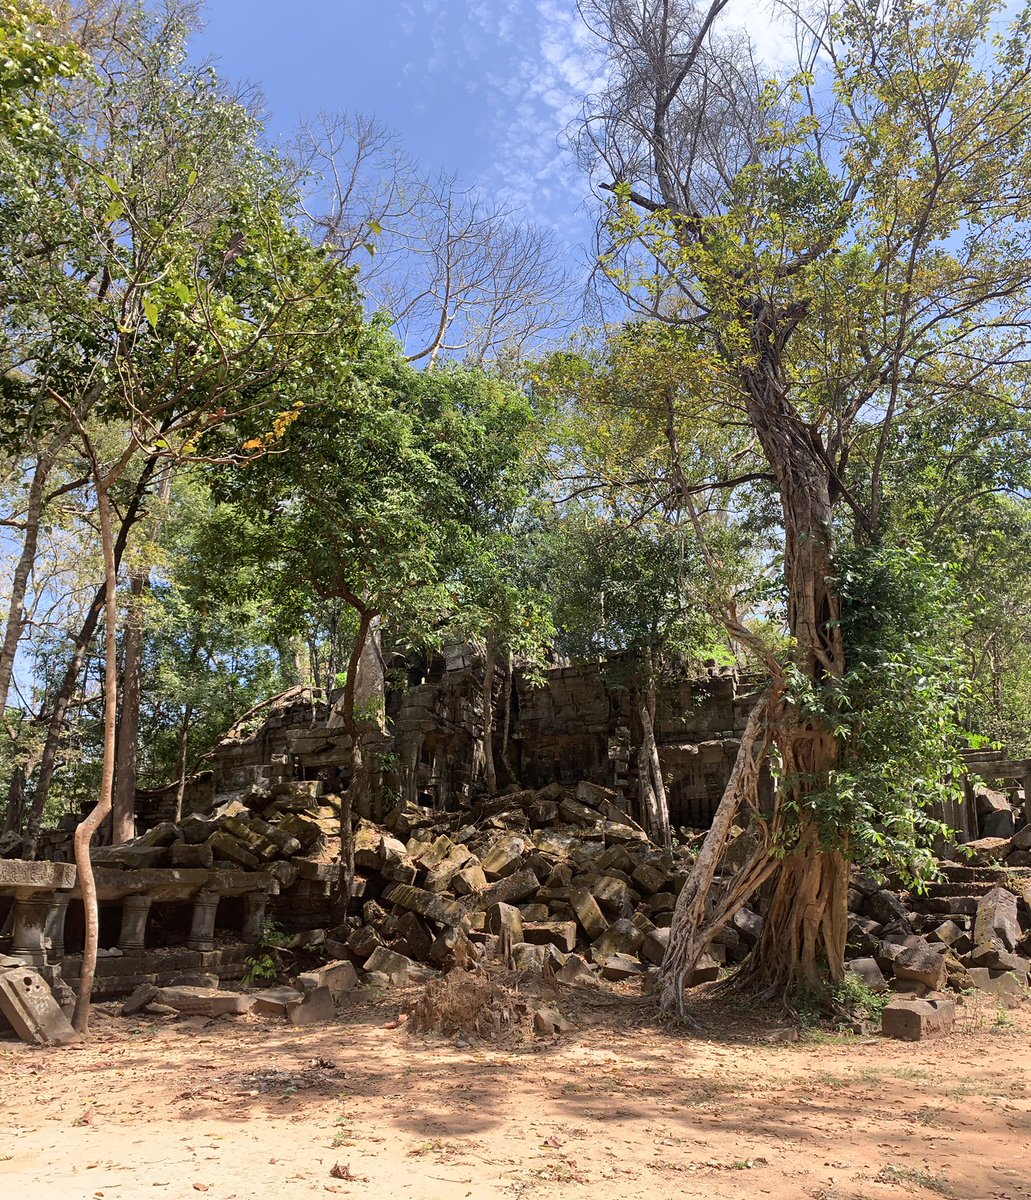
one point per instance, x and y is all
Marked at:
(66, 690)
(180, 762)
(804, 940)
(86, 829)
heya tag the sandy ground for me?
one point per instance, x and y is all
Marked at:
(622, 1107)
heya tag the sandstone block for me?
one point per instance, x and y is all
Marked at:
(31, 1010)
(996, 918)
(314, 1008)
(913, 1020)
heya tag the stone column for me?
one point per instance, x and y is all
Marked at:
(254, 904)
(202, 931)
(55, 924)
(133, 935)
(30, 923)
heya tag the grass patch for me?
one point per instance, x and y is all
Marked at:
(913, 1175)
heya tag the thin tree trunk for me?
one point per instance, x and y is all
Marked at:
(489, 770)
(15, 802)
(123, 812)
(66, 690)
(26, 561)
(696, 919)
(356, 792)
(506, 720)
(180, 763)
(86, 829)
(651, 767)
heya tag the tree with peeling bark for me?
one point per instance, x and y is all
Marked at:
(841, 253)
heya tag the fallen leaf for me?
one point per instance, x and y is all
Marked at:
(397, 1023)
(343, 1171)
(554, 1141)
(200, 1187)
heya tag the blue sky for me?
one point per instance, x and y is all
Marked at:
(481, 87)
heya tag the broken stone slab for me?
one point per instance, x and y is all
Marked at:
(505, 919)
(869, 972)
(275, 1001)
(996, 919)
(206, 1001)
(314, 1008)
(398, 969)
(588, 913)
(338, 977)
(227, 848)
(995, 957)
(520, 886)
(613, 894)
(547, 1022)
(650, 877)
(469, 880)
(129, 857)
(913, 1020)
(998, 983)
(655, 945)
(706, 969)
(574, 970)
(884, 907)
(573, 812)
(921, 964)
(504, 857)
(620, 966)
(621, 937)
(185, 854)
(561, 934)
(954, 936)
(426, 904)
(985, 851)
(31, 1010)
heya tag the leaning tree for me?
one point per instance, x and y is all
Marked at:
(840, 254)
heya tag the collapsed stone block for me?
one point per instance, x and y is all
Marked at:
(913, 1020)
(923, 965)
(31, 1010)
(314, 1008)
(338, 977)
(996, 918)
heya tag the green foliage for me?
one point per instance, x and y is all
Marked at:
(895, 711)
(261, 962)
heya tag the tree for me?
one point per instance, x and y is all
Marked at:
(388, 494)
(458, 272)
(160, 286)
(841, 254)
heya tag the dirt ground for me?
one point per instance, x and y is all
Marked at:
(621, 1107)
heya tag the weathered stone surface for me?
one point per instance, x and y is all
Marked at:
(705, 971)
(314, 1008)
(206, 1001)
(130, 856)
(923, 965)
(621, 937)
(984, 851)
(575, 970)
(398, 969)
(654, 946)
(913, 1020)
(954, 936)
(869, 972)
(520, 886)
(504, 857)
(998, 983)
(588, 913)
(21, 873)
(884, 907)
(749, 925)
(505, 919)
(613, 894)
(338, 977)
(616, 967)
(185, 854)
(469, 880)
(651, 877)
(994, 956)
(226, 848)
(31, 1010)
(996, 919)
(426, 904)
(139, 999)
(274, 1001)
(561, 934)
(547, 1022)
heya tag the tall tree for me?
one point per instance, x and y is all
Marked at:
(841, 254)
